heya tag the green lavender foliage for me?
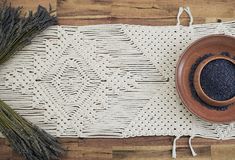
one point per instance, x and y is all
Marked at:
(15, 33)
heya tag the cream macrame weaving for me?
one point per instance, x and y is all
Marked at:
(110, 80)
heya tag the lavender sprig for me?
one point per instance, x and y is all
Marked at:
(16, 32)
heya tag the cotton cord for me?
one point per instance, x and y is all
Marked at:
(188, 11)
(191, 147)
(181, 9)
(174, 147)
(222, 29)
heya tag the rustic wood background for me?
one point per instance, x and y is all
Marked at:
(146, 12)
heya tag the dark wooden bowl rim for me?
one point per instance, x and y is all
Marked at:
(215, 43)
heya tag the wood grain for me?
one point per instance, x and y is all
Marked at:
(147, 12)
(138, 148)
(159, 152)
(33, 4)
(225, 152)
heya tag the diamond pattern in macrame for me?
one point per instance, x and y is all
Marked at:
(85, 81)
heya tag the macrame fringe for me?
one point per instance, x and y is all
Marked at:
(174, 147)
(190, 146)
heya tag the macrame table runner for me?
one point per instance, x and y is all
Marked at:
(110, 80)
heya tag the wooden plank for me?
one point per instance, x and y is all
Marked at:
(2, 141)
(141, 141)
(33, 4)
(5, 149)
(136, 21)
(89, 153)
(84, 8)
(159, 153)
(5, 152)
(150, 147)
(223, 152)
(146, 12)
(16, 156)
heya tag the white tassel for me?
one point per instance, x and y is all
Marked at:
(181, 9)
(191, 147)
(187, 9)
(174, 147)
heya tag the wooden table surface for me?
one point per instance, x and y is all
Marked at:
(146, 12)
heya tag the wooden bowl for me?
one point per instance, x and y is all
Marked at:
(197, 82)
(209, 44)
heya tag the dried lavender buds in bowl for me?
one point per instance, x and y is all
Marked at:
(214, 80)
(218, 79)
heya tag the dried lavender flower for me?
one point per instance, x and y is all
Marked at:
(16, 32)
